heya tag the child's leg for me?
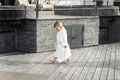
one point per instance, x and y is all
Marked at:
(53, 60)
(68, 61)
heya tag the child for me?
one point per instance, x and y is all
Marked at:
(63, 52)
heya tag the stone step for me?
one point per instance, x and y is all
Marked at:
(22, 76)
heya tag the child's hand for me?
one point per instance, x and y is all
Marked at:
(65, 46)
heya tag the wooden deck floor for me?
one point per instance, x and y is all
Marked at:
(91, 63)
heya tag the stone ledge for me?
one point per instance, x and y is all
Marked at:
(77, 10)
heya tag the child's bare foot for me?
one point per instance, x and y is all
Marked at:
(53, 60)
(68, 61)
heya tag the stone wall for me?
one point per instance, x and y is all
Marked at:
(114, 35)
(46, 34)
(39, 35)
(7, 38)
(33, 35)
(105, 23)
(26, 36)
(109, 29)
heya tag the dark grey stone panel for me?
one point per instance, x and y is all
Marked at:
(12, 12)
(104, 36)
(26, 36)
(7, 42)
(114, 35)
(109, 29)
(75, 35)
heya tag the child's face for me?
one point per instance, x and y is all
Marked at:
(58, 27)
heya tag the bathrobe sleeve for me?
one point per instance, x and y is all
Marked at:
(64, 38)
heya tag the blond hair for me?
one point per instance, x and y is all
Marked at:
(58, 23)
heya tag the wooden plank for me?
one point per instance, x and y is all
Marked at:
(40, 68)
(106, 64)
(75, 66)
(53, 68)
(117, 63)
(18, 65)
(34, 63)
(64, 68)
(82, 64)
(8, 62)
(88, 65)
(93, 68)
(100, 63)
(9, 56)
(111, 72)
(31, 57)
(74, 57)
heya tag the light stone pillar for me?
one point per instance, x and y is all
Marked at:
(104, 2)
(110, 2)
(23, 2)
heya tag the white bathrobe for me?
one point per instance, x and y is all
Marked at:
(61, 52)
